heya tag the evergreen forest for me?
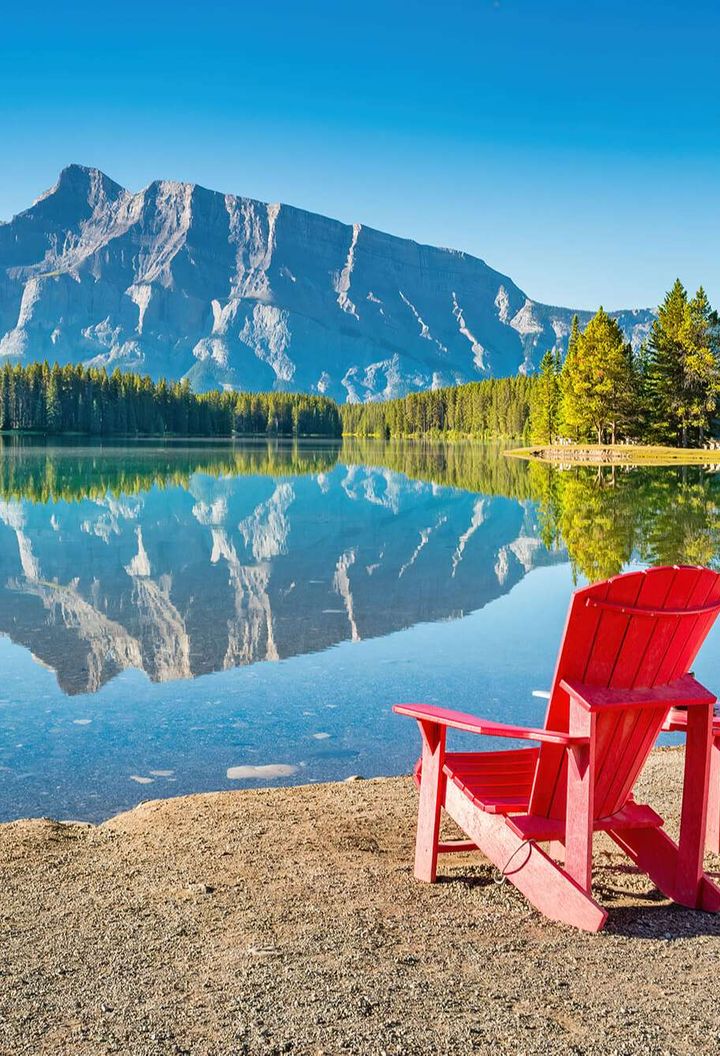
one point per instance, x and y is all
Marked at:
(666, 391)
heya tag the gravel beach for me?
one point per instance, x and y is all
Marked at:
(288, 921)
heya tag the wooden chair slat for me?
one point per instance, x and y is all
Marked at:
(701, 628)
(617, 778)
(653, 593)
(661, 644)
(579, 629)
(685, 640)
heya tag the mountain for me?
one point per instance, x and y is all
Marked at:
(180, 281)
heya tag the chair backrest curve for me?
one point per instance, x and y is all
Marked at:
(638, 630)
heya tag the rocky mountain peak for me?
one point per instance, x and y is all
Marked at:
(79, 183)
(182, 281)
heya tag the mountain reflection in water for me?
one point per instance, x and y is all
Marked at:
(182, 564)
(183, 560)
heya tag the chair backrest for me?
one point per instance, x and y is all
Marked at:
(638, 630)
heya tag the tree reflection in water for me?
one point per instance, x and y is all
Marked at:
(608, 516)
(604, 516)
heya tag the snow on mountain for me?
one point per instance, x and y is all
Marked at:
(180, 281)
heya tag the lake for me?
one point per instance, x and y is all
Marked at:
(189, 617)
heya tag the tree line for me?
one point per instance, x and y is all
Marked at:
(665, 392)
(73, 399)
(498, 407)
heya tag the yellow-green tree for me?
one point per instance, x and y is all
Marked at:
(598, 382)
(568, 423)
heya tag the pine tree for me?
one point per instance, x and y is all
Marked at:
(664, 374)
(701, 380)
(682, 379)
(545, 402)
(53, 409)
(568, 423)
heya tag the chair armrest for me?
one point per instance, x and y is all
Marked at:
(677, 720)
(461, 720)
(684, 692)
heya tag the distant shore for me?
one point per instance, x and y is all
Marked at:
(617, 454)
(287, 920)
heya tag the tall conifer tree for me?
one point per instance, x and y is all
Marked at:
(664, 374)
(682, 378)
(545, 401)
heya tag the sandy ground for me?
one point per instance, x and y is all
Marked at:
(288, 921)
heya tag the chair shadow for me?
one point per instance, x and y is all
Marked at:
(658, 918)
(655, 919)
(667, 922)
(471, 878)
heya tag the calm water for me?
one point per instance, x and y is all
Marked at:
(186, 618)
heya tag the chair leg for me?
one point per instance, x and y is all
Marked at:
(578, 818)
(712, 835)
(432, 794)
(693, 821)
(677, 868)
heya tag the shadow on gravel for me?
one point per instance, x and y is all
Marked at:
(655, 918)
(668, 923)
(472, 876)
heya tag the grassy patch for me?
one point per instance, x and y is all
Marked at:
(609, 454)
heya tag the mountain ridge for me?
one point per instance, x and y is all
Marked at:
(182, 281)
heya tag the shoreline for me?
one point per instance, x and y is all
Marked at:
(616, 454)
(287, 920)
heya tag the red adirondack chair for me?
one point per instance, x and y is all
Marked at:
(624, 662)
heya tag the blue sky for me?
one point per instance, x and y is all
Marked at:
(573, 144)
